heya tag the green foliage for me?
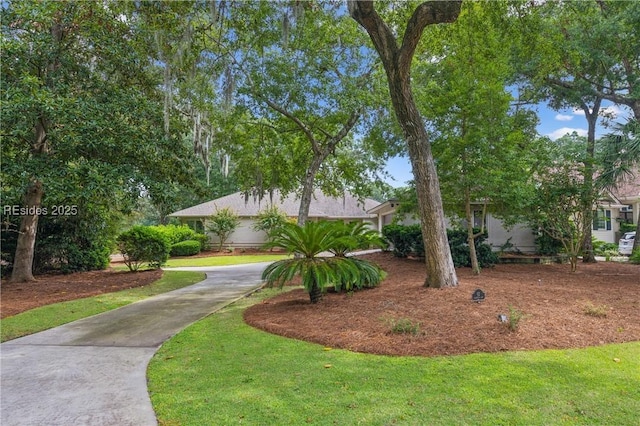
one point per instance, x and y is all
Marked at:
(318, 272)
(299, 134)
(404, 326)
(178, 233)
(600, 248)
(222, 224)
(598, 311)
(547, 245)
(558, 206)
(82, 115)
(362, 238)
(142, 244)
(458, 241)
(627, 227)
(185, 248)
(464, 96)
(66, 243)
(405, 239)
(270, 220)
(514, 318)
(635, 257)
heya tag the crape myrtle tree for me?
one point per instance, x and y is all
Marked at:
(82, 118)
(485, 147)
(396, 44)
(306, 83)
(557, 208)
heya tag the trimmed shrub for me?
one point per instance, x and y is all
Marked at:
(185, 248)
(178, 233)
(175, 233)
(405, 239)
(460, 249)
(142, 244)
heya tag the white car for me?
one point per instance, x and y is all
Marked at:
(625, 246)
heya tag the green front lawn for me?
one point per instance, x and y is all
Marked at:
(223, 260)
(50, 316)
(221, 371)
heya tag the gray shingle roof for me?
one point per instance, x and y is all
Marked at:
(322, 206)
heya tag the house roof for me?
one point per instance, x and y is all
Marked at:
(628, 188)
(387, 207)
(322, 206)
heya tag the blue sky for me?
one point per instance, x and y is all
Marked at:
(553, 124)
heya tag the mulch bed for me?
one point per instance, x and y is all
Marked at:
(554, 301)
(54, 288)
(555, 304)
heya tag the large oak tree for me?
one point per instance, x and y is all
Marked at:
(397, 58)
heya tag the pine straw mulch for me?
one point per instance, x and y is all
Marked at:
(560, 310)
(53, 288)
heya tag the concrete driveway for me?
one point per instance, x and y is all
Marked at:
(93, 371)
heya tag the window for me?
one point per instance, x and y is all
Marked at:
(477, 220)
(602, 220)
(196, 225)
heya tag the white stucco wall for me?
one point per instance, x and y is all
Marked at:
(246, 237)
(243, 237)
(522, 237)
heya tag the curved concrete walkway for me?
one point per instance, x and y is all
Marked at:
(93, 371)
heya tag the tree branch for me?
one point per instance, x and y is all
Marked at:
(364, 13)
(296, 120)
(431, 12)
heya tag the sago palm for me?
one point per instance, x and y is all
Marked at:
(308, 242)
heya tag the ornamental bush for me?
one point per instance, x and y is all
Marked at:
(143, 244)
(407, 240)
(178, 233)
(460, 249)
(222, 224)
(185, 248)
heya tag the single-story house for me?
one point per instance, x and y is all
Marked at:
(346, 208)
(619, 205)
(606, 225)
(520, 236)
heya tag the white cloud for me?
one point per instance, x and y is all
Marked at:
(563, 117)
(564, 130)
(578, 111)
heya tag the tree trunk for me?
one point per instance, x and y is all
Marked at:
(475, 267)
(588, 256)
(315, 293)
(397, 64)
(440, 269)
(23, 260)
(307, 187)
